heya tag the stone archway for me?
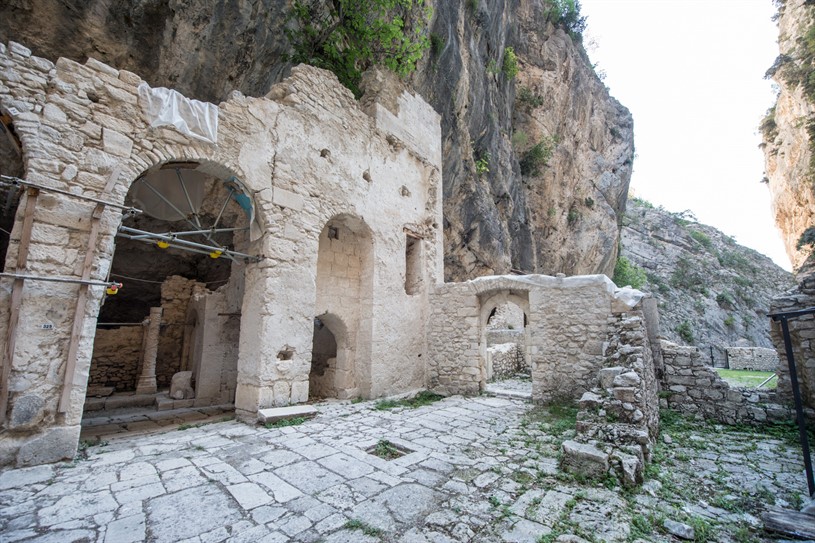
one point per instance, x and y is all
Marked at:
(180, 260)
(504, 335)
(333, 360)
(344, 299)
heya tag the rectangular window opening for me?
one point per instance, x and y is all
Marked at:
(413, 264)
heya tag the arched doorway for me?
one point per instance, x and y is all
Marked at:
(344, 307)
(333, 372)
(174, 327)
(504, 345)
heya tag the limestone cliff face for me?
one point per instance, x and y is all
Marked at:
(702, 277)
(563, 216)
(787, 134)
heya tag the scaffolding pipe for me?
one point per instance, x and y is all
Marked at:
(16, 182)
(141, 235)
(63, 280)
(190, 232)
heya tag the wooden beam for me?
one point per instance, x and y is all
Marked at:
(16, 299)
(82, 296)
(790, 524)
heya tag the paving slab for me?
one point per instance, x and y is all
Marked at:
(483, 471)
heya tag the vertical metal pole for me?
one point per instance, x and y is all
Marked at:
(799, 410)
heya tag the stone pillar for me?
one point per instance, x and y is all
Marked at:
(147, 379)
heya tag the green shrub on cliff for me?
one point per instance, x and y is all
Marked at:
(510, 63)
(628, 273)
(349, 36)
(565, 14)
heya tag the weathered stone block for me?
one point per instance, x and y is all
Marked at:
(627, 379)
(625, 394)
(584, 459)
(116, 143)
(53, 445)
(181, 386)
(606, 376)
(27, 411)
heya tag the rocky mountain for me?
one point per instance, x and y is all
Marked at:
(711, 291)
(788, 130)
(537, 155)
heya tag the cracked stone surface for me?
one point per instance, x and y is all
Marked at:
(483, 469)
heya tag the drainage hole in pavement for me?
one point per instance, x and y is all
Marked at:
(387, 450)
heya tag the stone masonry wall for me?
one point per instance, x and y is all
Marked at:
(116, 356)
(566, 327)
(618, 419)
(505, 360)
(752, 358)
(692, 387)
(498, 336)
(307, 153)
(802, 335)
(176, 292)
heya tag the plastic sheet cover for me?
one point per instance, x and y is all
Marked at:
(166, 107)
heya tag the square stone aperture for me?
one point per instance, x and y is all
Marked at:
(388, 450)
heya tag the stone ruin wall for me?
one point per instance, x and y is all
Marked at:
(307, 151)
(752, 358)
(802, 335)
(176, 292)
(505, 360)
(692, 387)
(116, 358)
(566, 329)
(618, 421)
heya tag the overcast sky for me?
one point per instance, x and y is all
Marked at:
(692, 74)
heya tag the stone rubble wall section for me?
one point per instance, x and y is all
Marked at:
(306, 151)
(802, 336)
(566, 330)
(618, 419)
(498, 336)
(116, 358)
(176, 292)
(752, 358)
(507, 317)
(692, 387)
(506, 360)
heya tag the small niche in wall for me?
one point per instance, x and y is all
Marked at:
(413, 264)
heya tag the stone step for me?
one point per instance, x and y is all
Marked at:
(278, 413)
(507, 393)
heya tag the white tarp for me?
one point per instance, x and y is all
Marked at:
(629, 296)
(166, 107)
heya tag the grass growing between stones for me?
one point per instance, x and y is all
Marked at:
(365, 528)
(282, 423)
(744, 378)
(715, 479)
(386, 450)
(424, 397)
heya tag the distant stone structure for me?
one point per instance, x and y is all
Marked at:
(752, 358)
(692, 387)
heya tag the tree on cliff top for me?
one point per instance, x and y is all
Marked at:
(349, 36)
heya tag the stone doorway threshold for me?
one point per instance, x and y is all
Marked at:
(130, 419)
(515, 388)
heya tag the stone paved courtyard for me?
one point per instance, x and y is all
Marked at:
(482, 469)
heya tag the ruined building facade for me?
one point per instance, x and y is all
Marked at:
(314, 266)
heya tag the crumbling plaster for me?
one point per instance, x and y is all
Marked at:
(307, 152)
